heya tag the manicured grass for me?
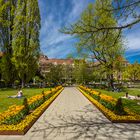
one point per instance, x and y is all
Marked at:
(131, 104)
(131, 91)
(5, 102)
(110, 93)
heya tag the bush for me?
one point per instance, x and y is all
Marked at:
(16, 82)
(98, 97)
(138, 95)
(119, 109)
(25, 103)
(44, 98)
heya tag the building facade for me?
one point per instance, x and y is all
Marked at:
(45, 63)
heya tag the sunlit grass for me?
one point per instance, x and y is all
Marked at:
(5, 102)
(131, 104)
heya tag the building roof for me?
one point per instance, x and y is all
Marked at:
(1, 54)
(45, 60)
(61, 61)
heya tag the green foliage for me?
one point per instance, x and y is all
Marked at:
(36, 104)
(25, 103)
(105, 45)
(96, 97)
(19, 39)
(132, 72)
(44, 98)
(25, 43)
(108, 105)
(8, 71)
(82, 71)
(37, 79)
(99, 96)
(7, 9)
(55, 75)
(15, 119)
(16, 82)
(119, 109)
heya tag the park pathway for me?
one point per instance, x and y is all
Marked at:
(72, 117)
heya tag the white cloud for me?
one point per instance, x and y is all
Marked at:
(133, 40)
(55, 43)
(78, 7)
(54, 20)
(52, 35)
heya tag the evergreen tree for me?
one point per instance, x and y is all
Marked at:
(25, 43)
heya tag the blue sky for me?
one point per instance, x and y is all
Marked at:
(58, 13)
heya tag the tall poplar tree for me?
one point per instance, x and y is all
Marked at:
(7, 10)
(25, 41)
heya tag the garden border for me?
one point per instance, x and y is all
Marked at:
(25, 130)
(103, 112)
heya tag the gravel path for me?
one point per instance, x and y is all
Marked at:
(72, 117)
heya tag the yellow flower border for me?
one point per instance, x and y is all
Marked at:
(15, 109)
(25, 125)
(109, 114)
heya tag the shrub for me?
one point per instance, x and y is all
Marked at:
(98, 97)
(16, 82)
(25, 103)
(43, 94)
(119, 109)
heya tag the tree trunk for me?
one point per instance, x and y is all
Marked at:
(22, 83)
(23, 80)
(111, 81)
(111, 77)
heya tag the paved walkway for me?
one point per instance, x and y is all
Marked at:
(72, 117)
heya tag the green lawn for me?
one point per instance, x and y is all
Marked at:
(5, 102)
(131, 91)
(131, 104)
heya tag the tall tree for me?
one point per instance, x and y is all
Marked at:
(55, 74)
(133, 72)
(82, 72)
(7, 10)
(25, 43)
(125, 10)
(127, 13)
(105, 45)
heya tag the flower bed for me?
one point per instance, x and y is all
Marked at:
(23, 126)
(97, 99)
